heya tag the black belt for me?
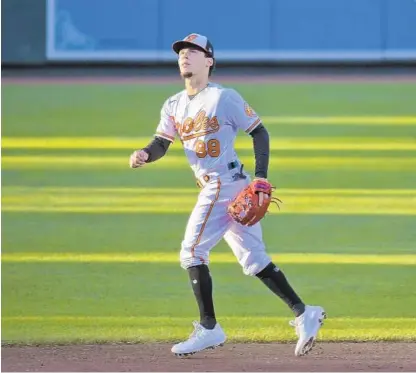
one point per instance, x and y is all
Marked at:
(231, 166)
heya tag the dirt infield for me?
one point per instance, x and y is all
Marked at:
(335, 357)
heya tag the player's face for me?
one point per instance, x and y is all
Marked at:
(193, 62)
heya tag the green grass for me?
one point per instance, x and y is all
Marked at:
(341, 201)
(134, 303)
(107, 233)
(161, 329)
(137, 289)
(133, 110)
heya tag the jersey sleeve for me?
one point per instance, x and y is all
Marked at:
(166, 128)
(240, 113)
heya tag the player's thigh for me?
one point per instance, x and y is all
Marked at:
(248, 247)
(206, 226)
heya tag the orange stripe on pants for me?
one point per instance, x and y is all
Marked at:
(207, 217)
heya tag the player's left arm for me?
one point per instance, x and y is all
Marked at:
(242, 116)
(261, 145)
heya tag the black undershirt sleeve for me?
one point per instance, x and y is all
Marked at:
(261, 146)
(157, 148)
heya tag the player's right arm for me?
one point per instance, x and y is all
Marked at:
(157, 148)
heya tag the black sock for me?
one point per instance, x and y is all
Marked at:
(276, 281)
(202, 286)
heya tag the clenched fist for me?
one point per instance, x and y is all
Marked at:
(138, 158)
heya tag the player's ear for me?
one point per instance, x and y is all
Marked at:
(210, 62)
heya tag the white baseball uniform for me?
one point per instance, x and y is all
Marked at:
(207, 126)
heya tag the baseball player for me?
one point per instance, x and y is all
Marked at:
(205, 117)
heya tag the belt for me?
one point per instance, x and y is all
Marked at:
(206, 178)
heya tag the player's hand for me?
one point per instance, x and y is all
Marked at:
(262, 196)
(138, 159)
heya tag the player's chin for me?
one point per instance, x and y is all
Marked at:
(186, 74)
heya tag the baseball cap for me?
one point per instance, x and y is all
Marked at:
(194, 40)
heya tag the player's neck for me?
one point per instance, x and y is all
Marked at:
(195, 84)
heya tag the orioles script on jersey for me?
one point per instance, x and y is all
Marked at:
(199, 126)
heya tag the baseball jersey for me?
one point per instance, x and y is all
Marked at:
(207, 126)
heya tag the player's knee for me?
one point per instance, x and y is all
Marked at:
(191, 256)
(253, 263)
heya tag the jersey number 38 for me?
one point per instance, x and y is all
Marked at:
(211, 148)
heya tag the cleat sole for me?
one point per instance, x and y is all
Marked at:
(186, 354)
(308, 346)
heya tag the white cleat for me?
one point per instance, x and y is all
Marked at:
(200, 339)
(307, 326)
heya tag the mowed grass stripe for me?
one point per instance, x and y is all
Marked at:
(395, 211)
(165, 319)
(303, 206)
(47, 329)
(194, 191)
(342, 120)
(180, 162)
(242, 143)
(130, 200)
(163, 257)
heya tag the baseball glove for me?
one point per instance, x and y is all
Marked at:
(245, 208)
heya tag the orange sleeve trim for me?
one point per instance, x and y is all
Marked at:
(165, 136)
(206, 218)
(254, 125)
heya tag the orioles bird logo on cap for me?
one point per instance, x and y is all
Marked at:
(191, 37)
